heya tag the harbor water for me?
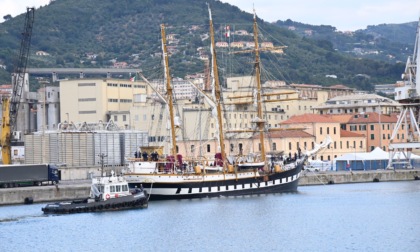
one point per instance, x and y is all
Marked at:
(381, 216)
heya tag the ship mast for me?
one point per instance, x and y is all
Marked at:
(260, 120)
(168, 90)
(215, 75)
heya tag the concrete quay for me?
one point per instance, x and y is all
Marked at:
(60, 192)
(343, 177)
(73, 189)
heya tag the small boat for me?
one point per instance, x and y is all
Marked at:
(106, 194)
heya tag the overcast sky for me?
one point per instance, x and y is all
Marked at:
(346, 15)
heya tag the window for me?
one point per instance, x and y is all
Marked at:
(320, 131)
(335, 131)
(372, 136)
(274, 147)
(112, 188)
(372, 127)
(208, 147)
(290, 146)
(328, 130)
(118, 188)
(192, 148)
(124, 118)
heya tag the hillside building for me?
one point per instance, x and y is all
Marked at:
(358, 103)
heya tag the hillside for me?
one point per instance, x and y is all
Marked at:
(99, 33)
(386, 42)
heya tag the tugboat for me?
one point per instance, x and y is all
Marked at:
(106, 194)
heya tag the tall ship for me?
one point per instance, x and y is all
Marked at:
(250, 173)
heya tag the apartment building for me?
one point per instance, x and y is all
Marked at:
(358, 103)
(377, 128)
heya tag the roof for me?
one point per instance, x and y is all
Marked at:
(341, 118)
(361, 118)
(358, 100)
(286, 134)
(373, 117)
(309, 118)
(320, 87)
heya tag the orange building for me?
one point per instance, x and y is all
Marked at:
(376, 127)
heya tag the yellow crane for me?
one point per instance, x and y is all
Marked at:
(10, 105)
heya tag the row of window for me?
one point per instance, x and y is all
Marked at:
(328, 130)
(121, 100)
(87, 112)
(87, 99)
(372, 127)
(118, 188)
(125, 85)
(124, 118)
(384, 136)
(157, 139)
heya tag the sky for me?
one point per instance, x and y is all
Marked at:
(345, 15)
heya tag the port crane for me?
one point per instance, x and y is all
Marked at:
(10, 105)
(407, 93)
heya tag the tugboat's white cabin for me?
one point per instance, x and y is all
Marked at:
(109, 187)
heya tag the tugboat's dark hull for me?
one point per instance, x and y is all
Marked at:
(83, 206)
(286, 181)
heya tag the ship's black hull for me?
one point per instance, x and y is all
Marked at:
(83, 206)
(286, 181)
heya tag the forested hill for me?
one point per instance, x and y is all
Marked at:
(98, 33)
(386, 42)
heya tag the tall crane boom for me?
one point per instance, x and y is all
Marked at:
(11, 104)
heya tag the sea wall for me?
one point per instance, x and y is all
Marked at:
(321, 178)
(43, 193)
